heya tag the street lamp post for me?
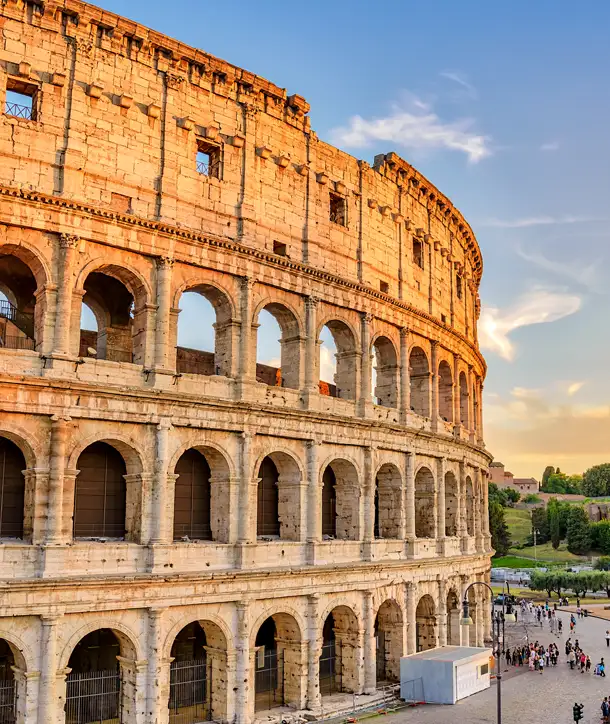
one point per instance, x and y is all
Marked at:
(536, 532)
(497, 634)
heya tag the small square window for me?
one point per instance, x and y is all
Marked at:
(484, 669)
(444, 318)
(208, 159)
(418, 253)
(338, 209)
(20, 99)
(384, 287)
(280, 248)
(459, 288)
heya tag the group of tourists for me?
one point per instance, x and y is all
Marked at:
(579, 661)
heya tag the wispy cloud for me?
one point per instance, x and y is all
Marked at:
(587, 275)
(461, 80)
(415, 126)
(551, 146)
(575, 387)
(535, 307)
(538, 221)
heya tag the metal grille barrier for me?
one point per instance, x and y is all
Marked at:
(8, 699)
(269, 679)
(22, 320)
(93, 697)
(19, 111)
(17, 343)
(331, 680)
(190, 692)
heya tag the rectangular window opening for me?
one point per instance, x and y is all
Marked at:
(458, 286)
(280, 248)
(338, 209)
(208, 159)
(384, 287)
(418, 253)
(20, 99)
(444, 318)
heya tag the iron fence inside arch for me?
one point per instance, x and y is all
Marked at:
(93, 697)
(8, 697)
(190, 688)
(331, 679)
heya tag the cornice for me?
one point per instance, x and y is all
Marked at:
(171, 231)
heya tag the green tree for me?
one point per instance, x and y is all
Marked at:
(596, 481)
(561, 483)
(579, 531)
(603, 563)
(548, 471)
(495, 495)
(541, 581)
(512, 496)
(500, 537)
(552, 513)
(600, 536)
(540, 523)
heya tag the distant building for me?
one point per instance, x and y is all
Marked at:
(505, 479)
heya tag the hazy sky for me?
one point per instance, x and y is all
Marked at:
(505, 107)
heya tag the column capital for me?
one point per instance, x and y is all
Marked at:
(50, 619)
(155, 612)
(246, 283)
(313, 443)
(69, 241)
(165, 262)
(164, 423)
(367, 317)
(61, 418)
(311, 301)
(404, 332)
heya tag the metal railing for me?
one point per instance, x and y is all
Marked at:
(8, 700)
(18, 111)
(21, 320)
(189, 691)
(269, 679)
(17, 343)
(93, 697)
(331, 680)
(193, 531)
(115, 531)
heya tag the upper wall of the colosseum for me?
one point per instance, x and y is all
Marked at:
(120, 113)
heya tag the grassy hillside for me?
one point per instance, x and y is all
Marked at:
(546, 552)
(519, 524)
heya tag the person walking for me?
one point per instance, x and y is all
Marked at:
(607, 638)
(602, 668)
(588, 665)
(560, 626)
(605, 707)
(571, 658)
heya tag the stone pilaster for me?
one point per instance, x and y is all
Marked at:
(68, 245)
(405, 377)
(162, 327)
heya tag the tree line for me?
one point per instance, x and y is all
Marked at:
(564, 521)
(579, 583)
(594, 482)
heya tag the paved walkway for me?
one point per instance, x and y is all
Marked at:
(530, 697)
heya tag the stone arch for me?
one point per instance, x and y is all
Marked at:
(22, 652)
(385, 390)
(419, 378)
(452, 501)
(220, 361)
(388, 502)
(346, 374)
(30, 255)
(464, 401)
(14, 668)
(198, 671)
(453, 618)
(12, 491)
(426, 623)
(347, 497)
(425, 503)
(118, 295)
(290, 342)
(469, 495)
(19, 437)
(279, 511)
(445, 391)
(127, 638)
(341, 651)
(388, 641)
(128, 448)
(280, 670)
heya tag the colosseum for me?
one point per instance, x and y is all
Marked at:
(192, 535)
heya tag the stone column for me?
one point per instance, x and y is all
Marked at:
(440, 499)
(485, 499)
(471, 406)
(315, 650)
(68, 244)
(35, 516)
(158, 668)
(480, 414)
(456, 396)
(314, 503)
(410, 501)
(246, 534)
(442, 612)
(434, 385)
(463, 509)
(161, 524)
(370, 654)
(365, 364)
(55, 502)
(411, 594)
(242, 665)
(312, 374)
(47, 692)
(369, 503)
(481, 512)
(246, 364)
(162, 331)
(405, 378)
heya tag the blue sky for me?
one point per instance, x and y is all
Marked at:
(504, 106)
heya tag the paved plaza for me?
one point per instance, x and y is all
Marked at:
(530, 697)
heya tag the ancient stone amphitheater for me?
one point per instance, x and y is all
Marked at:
(190, 535)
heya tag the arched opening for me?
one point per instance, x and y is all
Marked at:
(425, 624)
(451, 504)
(278, 663)
(283, 370)
(445, 392)
(278, 499)
(18, 314)
(192, 497)
(388, 492)
(464, 399)
(338, 361)
(12, 490)
(198, 671)
(425, 513)
(340, 652)
(329, 504)
(346, 499)
(419, 376)
(470, 506)
(100, 493)
(205, 332)
(385, 373)
(8, 685)
(93, 686)
(388, 642)
(453, 619)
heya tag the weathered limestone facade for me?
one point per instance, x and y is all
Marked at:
(102, 202)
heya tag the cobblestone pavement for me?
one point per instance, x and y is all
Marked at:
(530, 697)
